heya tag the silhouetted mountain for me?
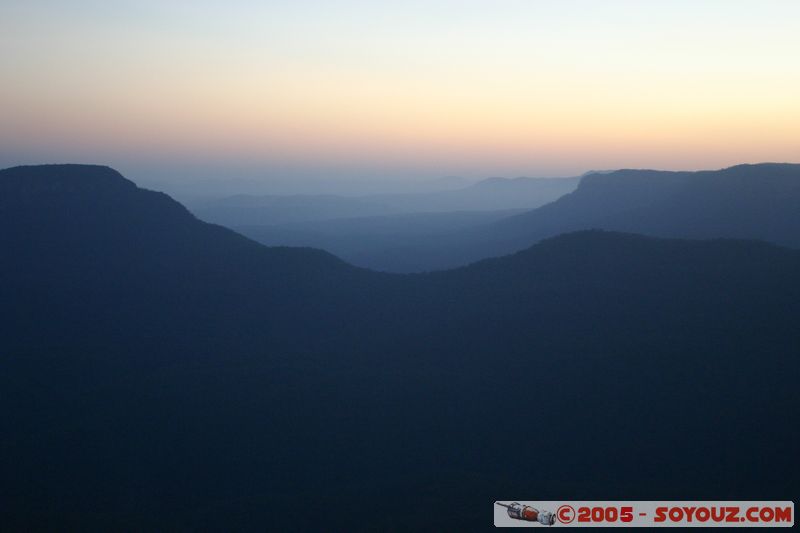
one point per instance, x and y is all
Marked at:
(161, 373)
(80, 208)
(82, 237)
(747, 201)
(488, 195)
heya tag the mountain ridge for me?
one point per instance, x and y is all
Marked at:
(751, 201)
(160, 372)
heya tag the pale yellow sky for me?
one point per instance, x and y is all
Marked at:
(440, 87)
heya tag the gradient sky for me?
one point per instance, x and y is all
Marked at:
(311, 89)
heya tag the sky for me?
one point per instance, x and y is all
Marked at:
(316, 90)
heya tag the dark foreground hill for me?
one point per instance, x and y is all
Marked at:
(160, 373)
(744, 202)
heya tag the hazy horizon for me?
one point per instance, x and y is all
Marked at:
(348, 91)
(194, 182)
(257, 275)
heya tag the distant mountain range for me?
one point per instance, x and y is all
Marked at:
(488, 195)
(386, 243)
(162, 373)
(746, 201)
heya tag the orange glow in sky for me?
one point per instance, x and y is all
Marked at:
(483, 87)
